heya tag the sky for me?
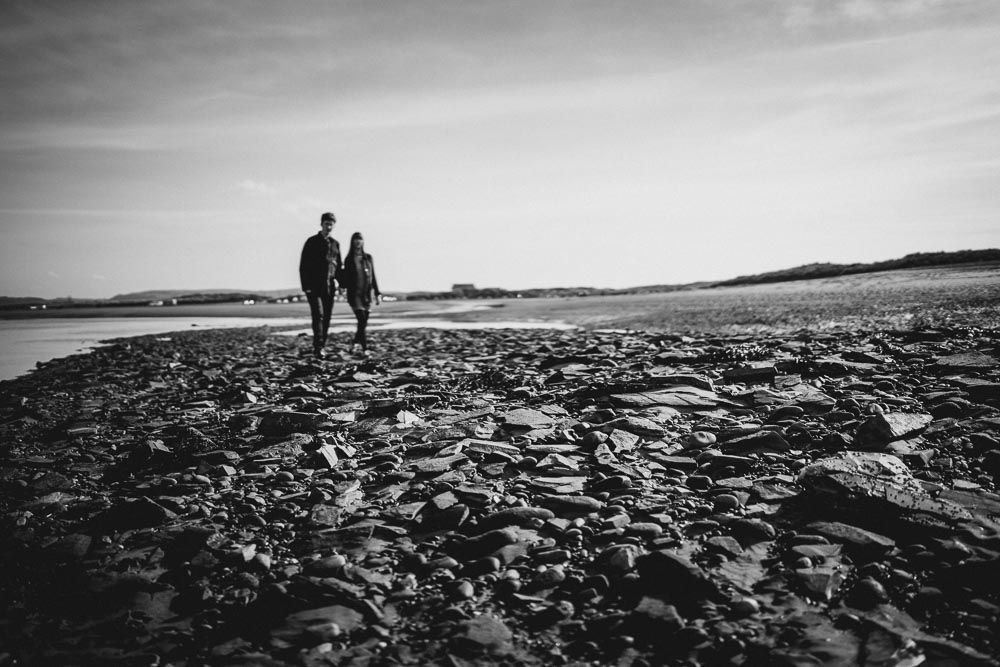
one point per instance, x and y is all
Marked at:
(193, 144)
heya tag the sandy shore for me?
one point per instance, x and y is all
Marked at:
(962, 295)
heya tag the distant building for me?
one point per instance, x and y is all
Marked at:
(463, 289)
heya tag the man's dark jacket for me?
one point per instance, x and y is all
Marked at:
(319, 265)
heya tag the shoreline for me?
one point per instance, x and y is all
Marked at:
(503, 495)
(898, 300)
(28, 343)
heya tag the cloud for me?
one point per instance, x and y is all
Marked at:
(130, 138)
(288, 198)
(256, 188)
(98, 277)
(811, 13)
(883, 10)
(52, 274)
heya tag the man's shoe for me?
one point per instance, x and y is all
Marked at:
(320, 354)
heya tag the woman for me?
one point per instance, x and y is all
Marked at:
(358, 277)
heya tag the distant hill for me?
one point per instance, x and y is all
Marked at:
(167, 294)
(20, 301)
(826, 270)
(804, 272)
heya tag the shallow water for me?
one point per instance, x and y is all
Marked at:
(23, 343)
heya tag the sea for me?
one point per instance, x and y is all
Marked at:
(25, 343)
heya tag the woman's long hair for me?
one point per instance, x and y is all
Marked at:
(350, 250)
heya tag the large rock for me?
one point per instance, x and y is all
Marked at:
(761, 441)
(965, 361)
(857, 541)
(882, 480)
(879, 430)
(674, 577)
(681, 398)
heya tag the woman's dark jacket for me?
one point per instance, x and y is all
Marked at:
(360, 282)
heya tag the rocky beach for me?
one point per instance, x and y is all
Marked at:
(512, 497)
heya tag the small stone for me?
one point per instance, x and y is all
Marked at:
(552, 556)
(867, 593)
(654, 617)
(726, 502)
(820, 582)
(744, 607)
(571, 505)
(325, 567)
(593, 439)
(946, 410)
(260, 563)
(485, 544)
(549, 578)
(644, 530)
(700, 439)
(463, 590)
(725, 545)
(761, 441)
(620, 558)
(752, 531)
(786, 412)
(635, 425)
(699, 482)
(487, 634)
(323, 620)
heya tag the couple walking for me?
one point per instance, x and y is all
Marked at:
(320, 271)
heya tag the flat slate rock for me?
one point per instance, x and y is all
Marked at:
(879, 430)
(679, 398)
(854, 538)
(881, 478)
(966, 361)
(526, 417)
(487, 634)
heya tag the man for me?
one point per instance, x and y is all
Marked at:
(318, 268)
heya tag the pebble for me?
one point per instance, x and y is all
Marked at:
(726, 502)
(744, 607)
(867, 593)
(644, 530)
